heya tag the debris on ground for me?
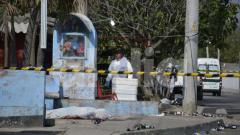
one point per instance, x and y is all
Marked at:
(166, 101)
(179, 113)
(207, 115)
(98, 121)
(159, 115)
(231, 126)
(78, 113)
(177, 101)
(140, 126)
(201, 133)
(195, 114)
(222, 126)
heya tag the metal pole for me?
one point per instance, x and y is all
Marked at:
(43, 40)
(191, 55)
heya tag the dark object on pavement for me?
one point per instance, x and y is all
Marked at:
(229, 116)
(230, 126)
(233, 127)
(195, 114)
(177, 101)
(207, 114)
(143, 126)
(97, 121)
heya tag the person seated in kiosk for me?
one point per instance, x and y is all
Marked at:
(120, 63)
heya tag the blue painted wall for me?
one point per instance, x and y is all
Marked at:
(21, 93)
(117, 108)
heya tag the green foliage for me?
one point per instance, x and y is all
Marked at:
(231, 53)
(217, 21)
(141, 21)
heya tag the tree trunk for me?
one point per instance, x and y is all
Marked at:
(33, 45)
(13, 57)
(28, 44)
(6, 64)
(30, 48)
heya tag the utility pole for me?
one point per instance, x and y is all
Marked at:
(43, 32)
(191, 55)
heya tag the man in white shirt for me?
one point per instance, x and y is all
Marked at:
(120, 63)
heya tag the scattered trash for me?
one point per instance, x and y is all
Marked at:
(207, 115)
(233, 127)
(201, 133)
(177, 101)
(230, 126)
(213, 129)
(160, 115)
(166, 101)
(78, 113)
(141, 127)
(179, 113)
(195, 114)
(98, 121)
(217, 129)
(222, 126)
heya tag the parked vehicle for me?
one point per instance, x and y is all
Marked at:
(210, 84)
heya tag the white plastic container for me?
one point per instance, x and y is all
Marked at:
(125, 88)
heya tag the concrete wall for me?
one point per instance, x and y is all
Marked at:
(115, 108)
(21, 98)
(76, 85)
(231, 85)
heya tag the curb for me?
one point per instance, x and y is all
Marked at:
(179, 131)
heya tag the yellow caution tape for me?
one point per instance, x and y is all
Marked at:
(154, 73)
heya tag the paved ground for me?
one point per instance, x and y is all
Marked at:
(226, 132)
(235, 120)
(230, 102)
(167, 124)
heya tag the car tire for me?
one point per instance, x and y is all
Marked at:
(219, 93)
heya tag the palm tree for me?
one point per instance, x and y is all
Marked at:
(31, 35)
(11, 8)
(7, 10)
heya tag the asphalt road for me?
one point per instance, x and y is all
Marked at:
(230, 102)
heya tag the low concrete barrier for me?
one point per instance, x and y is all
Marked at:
(21, 98)
(115, 108)
(231, 85)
